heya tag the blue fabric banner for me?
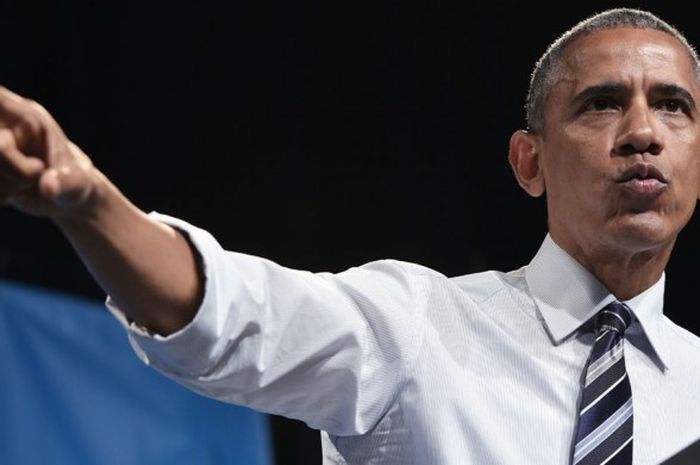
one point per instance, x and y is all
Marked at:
(72, 392)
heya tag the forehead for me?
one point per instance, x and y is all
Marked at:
(628, 56)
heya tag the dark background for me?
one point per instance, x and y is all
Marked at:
(318, 134)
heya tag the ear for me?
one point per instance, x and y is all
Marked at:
(524, 158)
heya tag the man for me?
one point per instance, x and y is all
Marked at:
(398, 364)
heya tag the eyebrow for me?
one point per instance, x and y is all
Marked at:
(606, 88)
(673, 90)
(613, 88)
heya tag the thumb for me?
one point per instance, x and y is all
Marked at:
(65, 186)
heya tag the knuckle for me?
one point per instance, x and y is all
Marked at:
(36, 109)
(31, 122)
(4, 93)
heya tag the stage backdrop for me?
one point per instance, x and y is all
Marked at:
(72, 392)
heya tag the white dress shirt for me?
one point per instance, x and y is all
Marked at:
(398, 364)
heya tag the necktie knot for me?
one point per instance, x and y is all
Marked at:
(615, 316)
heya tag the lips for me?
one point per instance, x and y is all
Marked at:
(643, 178)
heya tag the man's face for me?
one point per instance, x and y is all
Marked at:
(620, 152)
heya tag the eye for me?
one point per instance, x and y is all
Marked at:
(672, 106)
(600, 104)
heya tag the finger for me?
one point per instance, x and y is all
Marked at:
(49, 184)
(10, 104)
(14, 107)
(6, 93)
(31, 123)
(12, 159)
(65, 185)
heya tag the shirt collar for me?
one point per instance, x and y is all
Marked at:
(567, 295)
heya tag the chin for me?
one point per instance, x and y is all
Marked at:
(643, 232)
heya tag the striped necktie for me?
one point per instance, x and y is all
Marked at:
(604, 430)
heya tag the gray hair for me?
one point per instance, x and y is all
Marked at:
(547, 68)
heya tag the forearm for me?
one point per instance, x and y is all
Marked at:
(148, 268)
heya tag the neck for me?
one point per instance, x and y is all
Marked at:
(626, 273)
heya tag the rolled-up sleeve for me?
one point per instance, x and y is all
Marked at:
(329, 349)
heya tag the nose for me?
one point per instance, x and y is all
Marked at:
(638, 133)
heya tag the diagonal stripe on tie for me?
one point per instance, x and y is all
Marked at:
(602, 382)
(616, 442)
(608, 344)
(599, 366)
(605, 421)
(602, 407)
(599, 435)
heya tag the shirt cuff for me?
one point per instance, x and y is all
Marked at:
(177, 353)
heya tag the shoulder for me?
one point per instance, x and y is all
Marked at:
(400, 267)
(482, 282)
(400, 280)
(683, 347)
(390, 277)
(684, 337)
(485, 285)
(479, 286)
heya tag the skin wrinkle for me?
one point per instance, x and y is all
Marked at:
(612, 62)
(573, 57)
(642, 87)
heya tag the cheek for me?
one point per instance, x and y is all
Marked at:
(687, 172)
(688, 167)
(575, 168)
(685, 190)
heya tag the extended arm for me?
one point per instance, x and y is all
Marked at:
(330, 349)
(148, 268)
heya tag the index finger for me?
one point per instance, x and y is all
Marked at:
(9, 105)
(31, 124)
(12, 159)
